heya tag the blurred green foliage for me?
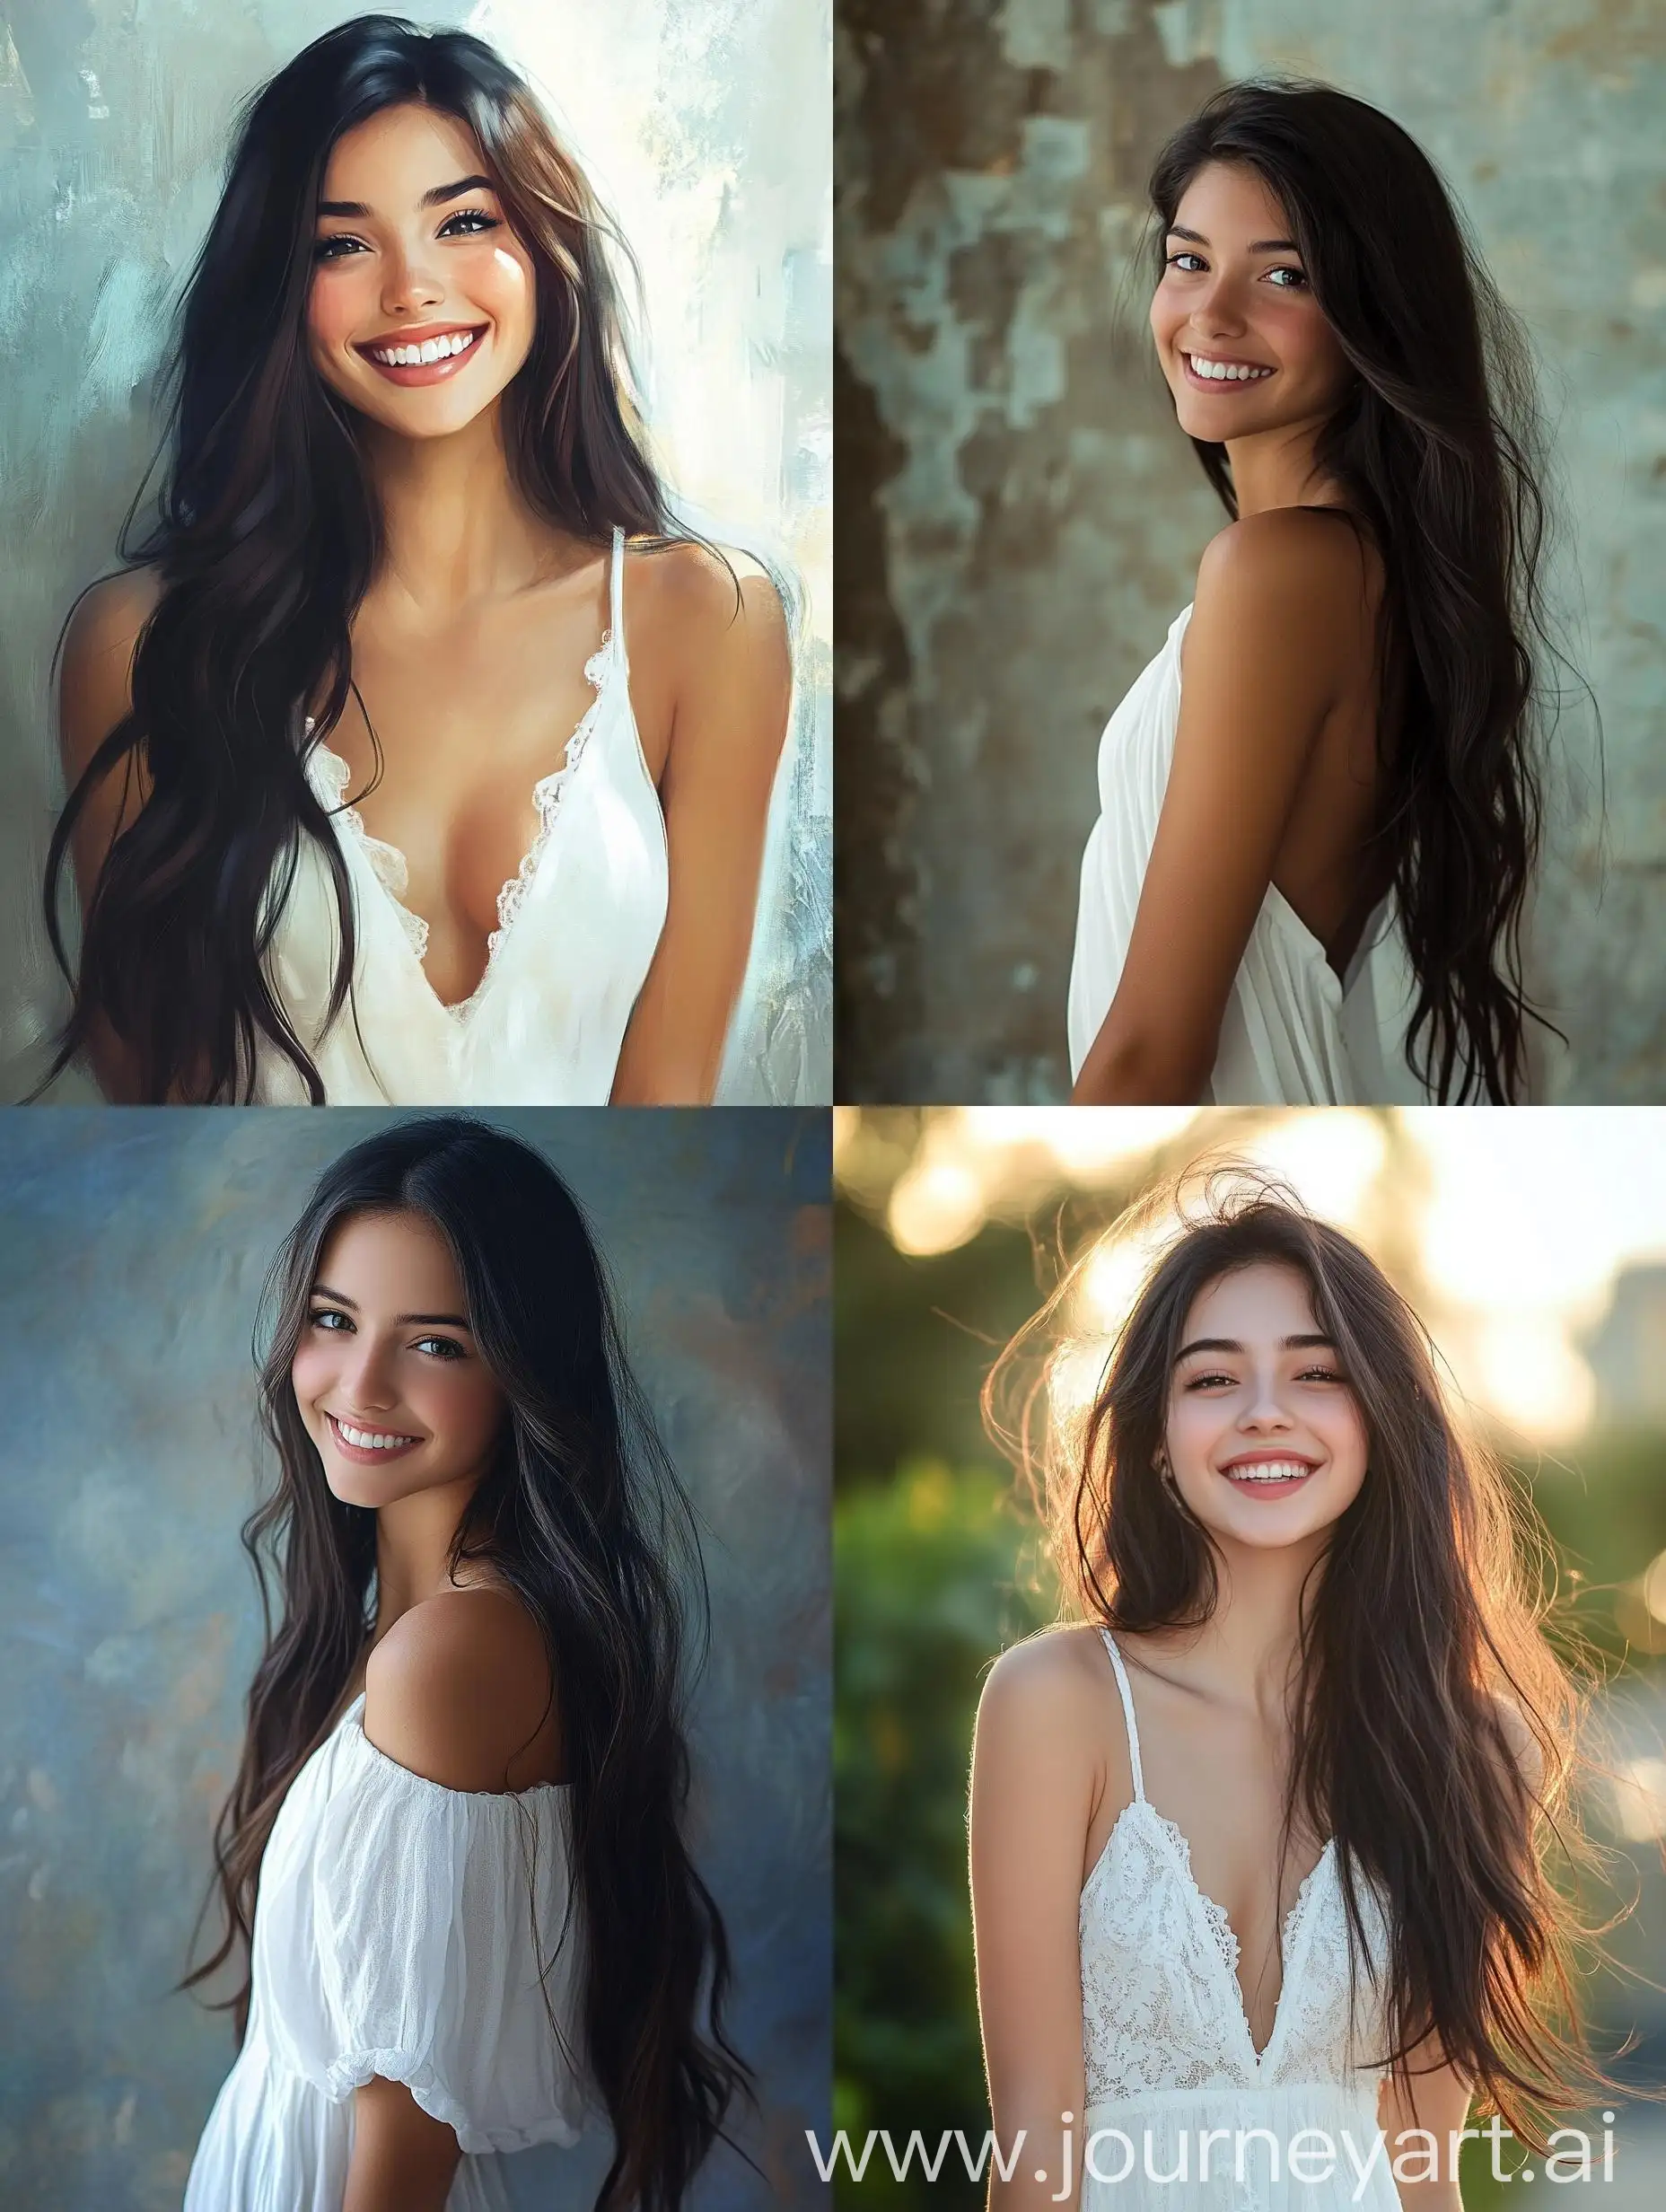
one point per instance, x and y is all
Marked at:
(936, 1572)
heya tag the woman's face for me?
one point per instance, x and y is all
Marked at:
(1234, 297)
(390, 1382)
(1265, 1435)
(410, 245)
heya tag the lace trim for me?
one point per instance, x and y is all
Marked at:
(392, 870)
(388, 863)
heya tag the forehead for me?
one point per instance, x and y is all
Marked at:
(1228, 200)
(1256, 1304)
(394, 1260)
(395, 155)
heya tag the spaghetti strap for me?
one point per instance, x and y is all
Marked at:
(1127, 1708)
(615, 592)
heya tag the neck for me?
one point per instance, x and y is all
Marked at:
(1245, 1653)
(1277, 469)
(414, 1538)
(456, 531)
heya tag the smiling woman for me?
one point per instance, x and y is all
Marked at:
(1300, 1627)
(418, 758)
(454, 1850)
(1319, 803)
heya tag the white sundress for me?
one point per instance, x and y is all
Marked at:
(391, 1937)
(1168, 2047)
(578, 927)
(1294, 1033)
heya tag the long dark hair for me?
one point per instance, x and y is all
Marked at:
(268, 536)
(1422, 1618)
(583, 1517)
(1436, 449)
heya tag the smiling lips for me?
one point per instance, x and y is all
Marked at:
(1267, 1476)
(369, 1447)
(423, 356)
(1207, 370)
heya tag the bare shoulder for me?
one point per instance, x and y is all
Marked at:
(1053, 1684)
(1303, 567)
(699, 598)
(99, 646)
(458, 1686)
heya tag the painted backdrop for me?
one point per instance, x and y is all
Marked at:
(1020, 520)
(133, 1245)
(705, 125)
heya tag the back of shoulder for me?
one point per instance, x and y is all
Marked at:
(99, 645)
(1296, 565)
(456, 1687)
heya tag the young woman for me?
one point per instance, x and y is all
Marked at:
(1307, 883)
(413, 760)
(453, 1847)
(1260, 1846)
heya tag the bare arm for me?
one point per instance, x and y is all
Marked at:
(729, 724)
(1033, 1789)
(453, 1691)
(95, 691)
(1265, 657)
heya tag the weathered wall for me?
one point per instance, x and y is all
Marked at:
(1019, 519)
(704, 125)
(132, 1248)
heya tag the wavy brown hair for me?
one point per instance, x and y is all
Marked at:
(1421, 1622)
(583, 1517)
(1436, 448)
(269, 535)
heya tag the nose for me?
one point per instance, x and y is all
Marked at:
(410, 286)
(366, 1380)
(1264, 1409)
(1218, 311)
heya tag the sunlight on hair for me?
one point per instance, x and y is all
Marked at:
(1074, 1375)
(1111, 1277)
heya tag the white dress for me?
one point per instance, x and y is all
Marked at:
(1168, 2046)
(1293, 1032)
(391, 1937)
(577, 928)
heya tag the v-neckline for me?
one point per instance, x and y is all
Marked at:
(1217, 1917)
(391, 870)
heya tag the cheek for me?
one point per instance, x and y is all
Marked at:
(310, 1372)
(334, 311)
(466, 1405)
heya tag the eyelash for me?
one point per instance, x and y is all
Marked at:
(1282, 269)
(446, 1347)
(1308, 1375)
(323, 249)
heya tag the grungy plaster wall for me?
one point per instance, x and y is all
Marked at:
(703, 126)
(1019, 518)
(133, 1244)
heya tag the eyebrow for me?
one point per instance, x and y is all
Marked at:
(1257, 245)
(1231, 1343)
(447, 1321)
(433, 197)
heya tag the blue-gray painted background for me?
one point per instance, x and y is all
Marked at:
(132, 1245)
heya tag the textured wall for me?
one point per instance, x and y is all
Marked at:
(1019, 519)
(132, 1248)
(704, 125)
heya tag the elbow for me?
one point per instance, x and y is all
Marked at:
(1142, 1068)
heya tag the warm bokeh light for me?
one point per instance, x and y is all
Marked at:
(1639, 1798)
(1513, 1226)
(1654, 1587)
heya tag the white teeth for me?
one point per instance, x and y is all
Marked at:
(431, 349)
(1270, 1471)
(370, 1440)
(1226, 372)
